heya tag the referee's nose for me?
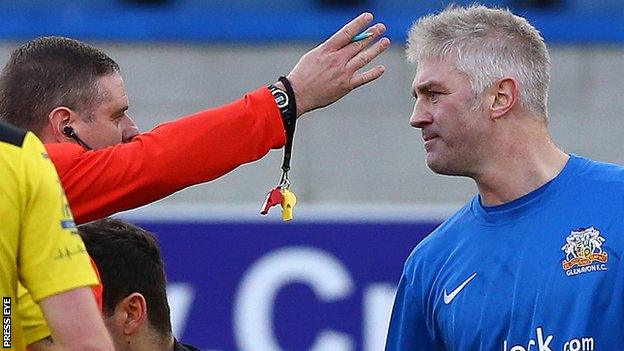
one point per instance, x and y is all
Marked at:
(129, 129)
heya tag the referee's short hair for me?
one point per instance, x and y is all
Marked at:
(50, 72)
(129, 261)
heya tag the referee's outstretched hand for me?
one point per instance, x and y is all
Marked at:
(330, 71)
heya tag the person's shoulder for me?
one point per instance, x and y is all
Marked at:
(64, 150)
(442, 239)
(593, 170)
(12, 135)
(455, 224)
(20, 150)
(178, 346)
(65, 156)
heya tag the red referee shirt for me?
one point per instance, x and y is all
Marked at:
(174, 155)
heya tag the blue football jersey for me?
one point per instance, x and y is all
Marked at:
(541, 273)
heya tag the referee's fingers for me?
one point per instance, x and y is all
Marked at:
(354, 48)
(365, 57)
(346, 33)
(367, 77)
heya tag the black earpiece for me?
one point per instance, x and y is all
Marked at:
(71, 133)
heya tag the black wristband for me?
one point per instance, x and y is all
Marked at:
(292, 112)
(288, 109)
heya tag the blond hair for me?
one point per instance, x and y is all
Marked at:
(487, 45)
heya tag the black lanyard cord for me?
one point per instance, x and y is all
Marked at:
(290, 120)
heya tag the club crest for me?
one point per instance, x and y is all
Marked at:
(583, 250)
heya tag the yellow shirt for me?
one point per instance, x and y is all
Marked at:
(39, 245)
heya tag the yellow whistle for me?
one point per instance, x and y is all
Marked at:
(287, 204)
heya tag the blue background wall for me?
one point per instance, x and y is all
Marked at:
(219, 262)
(278, 20)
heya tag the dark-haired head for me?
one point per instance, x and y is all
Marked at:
(132, 273)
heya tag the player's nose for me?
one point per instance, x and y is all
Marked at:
(420, 117)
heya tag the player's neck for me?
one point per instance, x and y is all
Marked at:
(525, 160)
(151, 342)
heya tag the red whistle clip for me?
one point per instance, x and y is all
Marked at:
(273, 198)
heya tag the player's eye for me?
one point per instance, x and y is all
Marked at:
(433, 96)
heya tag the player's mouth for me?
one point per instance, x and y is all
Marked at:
(429, 139)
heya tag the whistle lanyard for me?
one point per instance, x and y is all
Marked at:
(289, 126)
(281, 194)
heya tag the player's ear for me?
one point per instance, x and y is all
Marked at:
(135, 308)
(503, 96)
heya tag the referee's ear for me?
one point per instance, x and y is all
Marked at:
(58, 118)
(135, 308)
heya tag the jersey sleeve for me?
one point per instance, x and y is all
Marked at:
(409, 329)
(171, 157)
(32, 321)
(52, 257)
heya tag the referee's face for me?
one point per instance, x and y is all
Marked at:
(453, 130)
(109, 123)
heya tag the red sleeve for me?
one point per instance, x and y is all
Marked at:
(171, 157)
(98, 290)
